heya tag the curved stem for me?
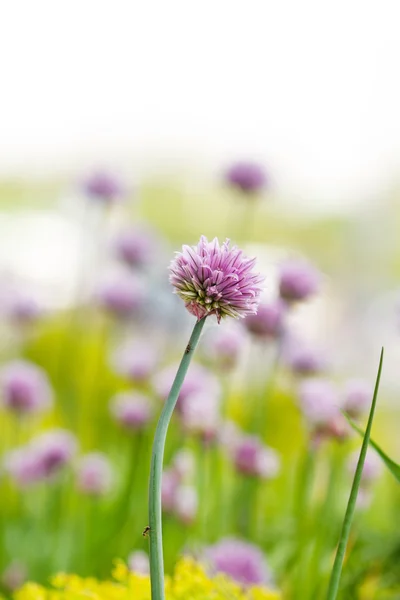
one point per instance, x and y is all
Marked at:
(155, 516)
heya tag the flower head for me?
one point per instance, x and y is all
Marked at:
(135, 247)
(303, 358)
(186, 503)
(55, 449)
(200, 414)
(248, 177)
(121, 294)
(138, 562)
(242, 561)
(357, 397)
(214, 279)
(298, 280)
(104, 187)
(252, 457)
(24, 387)
(136, 359)
(224, 345)
(131, 410)
(94, 474)
(319, 403)
(268, 322)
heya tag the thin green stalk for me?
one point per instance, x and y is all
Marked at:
(155, 516)
(345, 533)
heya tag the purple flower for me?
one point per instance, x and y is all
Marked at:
(252, 457)
(104, 187)
(14, 575)
(184, 463)
(121, 294)
(131, 410)
(214, 279)
(303, 359)
(357, 397)
(94, 474)
(25, 387)
(24, 466)
(268, 322)
(298, 280)
(242, 561)
(135, 247)
(186, 503)
(24, 309)
(248, 177)
(223, 345)
(371, 470)
(198, 380)
(138, 562)
(136, 360)
(319, 403)
(55, 449)
(200, 413)
(169, 485)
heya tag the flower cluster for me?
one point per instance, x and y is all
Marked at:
(24, 387)
(216, 280)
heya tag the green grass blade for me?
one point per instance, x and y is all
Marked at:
(393, 467)
(348, 518)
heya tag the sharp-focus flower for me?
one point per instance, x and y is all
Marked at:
(132, 410)
(242, 561)
(24, 387)
(357, 397)
(248, 177)
(298, 280)
(198, 380)
(252, 457)
(94, 474)
(214, 279)
(104, 187)
(223, 345)
(138, 562)
(200, 413)
(186, 503)
(136, 360)
(121, 294)
(268, 322)
(135, 247)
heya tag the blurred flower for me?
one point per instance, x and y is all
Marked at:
(229, 435)
(55, 449)
(24, 387)
(94, 474)
(214, 279)
(298, 280)
(371, 470)
(319, 403)
(104, 187)
(23, 308)
(135, 247)
(184, 463)
(131, 410)
(302, 358)
(121, 294)
(198, 380)
(169, 485)
(242, 561)
(252, 457)
(138, 562)
(223, 345)
(24, 466)
(248, 177)
(268, 322)
(136, 359)
(14, 575)
(357, 397)
(200, 414)
(186, 503)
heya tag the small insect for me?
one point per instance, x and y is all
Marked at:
(188, 348)
(146, 531)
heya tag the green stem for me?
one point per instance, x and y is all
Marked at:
(345, 533)
(155, 516)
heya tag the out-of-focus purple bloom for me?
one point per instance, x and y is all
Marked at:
(135, 247)
(242, 561)
(268, 322)
(14, 576)
(304, 359)
(104, 187)
(169, 486)
(371, 470)
(136, 360)
(214, 279)
(229, 435)
(131, 410)
(24, 466)
(200, 413)
(319, 403)
(252, 457)
(121, 294)
(357, 397)
(138, 562)
(248, 177)
(184, 463)
(24, 309)
(186, 503)
(94, 474)
(198, 380)
(55, 449)
(24, 387)
(223, 345)
(298, 280)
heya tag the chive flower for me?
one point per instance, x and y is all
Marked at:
(248, 177)
(215, 279)
(24, 388)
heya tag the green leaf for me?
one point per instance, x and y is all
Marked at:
(393, 467)
(351, 505)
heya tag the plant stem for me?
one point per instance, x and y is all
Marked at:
(155, 515)
(345, 533)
